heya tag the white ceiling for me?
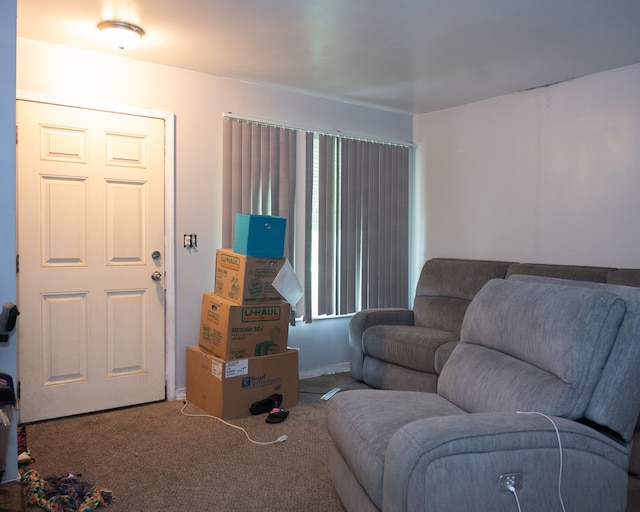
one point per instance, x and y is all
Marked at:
(410, 56)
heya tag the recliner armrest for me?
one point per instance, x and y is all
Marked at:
(368, 318)
(455, 462)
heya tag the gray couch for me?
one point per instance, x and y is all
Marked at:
(402, 349)
(536, 405)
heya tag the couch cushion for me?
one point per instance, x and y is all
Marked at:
(624, 276)
(442, 355)
(441, 313)
(411, 347)
(448, 277)
(445, 288)
(616, 402)
(361, 437)
(532, 347)
(575, 272)
(382, 375)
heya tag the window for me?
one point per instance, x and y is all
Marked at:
(355, 218)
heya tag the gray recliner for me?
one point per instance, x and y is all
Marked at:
(544, 384)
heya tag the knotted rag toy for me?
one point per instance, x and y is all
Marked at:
(64, 494)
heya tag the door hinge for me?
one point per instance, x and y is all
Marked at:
(17, 263)
(16, 134)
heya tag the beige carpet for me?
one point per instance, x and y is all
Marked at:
(154, 458)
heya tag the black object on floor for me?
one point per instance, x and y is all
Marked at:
(277, 415)
(266, 405)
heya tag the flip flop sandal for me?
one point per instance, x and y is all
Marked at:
(277, 415)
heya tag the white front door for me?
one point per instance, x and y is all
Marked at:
(91, 260)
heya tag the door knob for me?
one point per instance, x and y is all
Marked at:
(156, 276)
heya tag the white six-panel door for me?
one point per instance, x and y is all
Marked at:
(91, 263)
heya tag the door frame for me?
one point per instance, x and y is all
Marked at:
(169, 213)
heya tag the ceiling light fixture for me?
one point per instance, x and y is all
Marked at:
(120, 34)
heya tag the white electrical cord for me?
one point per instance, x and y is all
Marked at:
(515, 494)
(559, 446)
(281, 439)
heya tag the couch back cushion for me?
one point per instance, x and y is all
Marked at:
(624, 276)
(532, 347)
(446, 287)
(574, 272)
(616, 401)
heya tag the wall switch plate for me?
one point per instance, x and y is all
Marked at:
(190, 240)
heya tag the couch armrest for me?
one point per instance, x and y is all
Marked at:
(455, 462)
(368, 318)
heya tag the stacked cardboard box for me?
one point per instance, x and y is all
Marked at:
(242, 355)
(226, 389)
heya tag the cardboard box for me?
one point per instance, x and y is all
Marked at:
(226, 389)
(259, 235)
(246, 279)
(231, 331)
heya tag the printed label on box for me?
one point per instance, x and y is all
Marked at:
(255, 288)
(213, 317)
(216, 369)
(256, 381)
(261, 314)
(236, 368)
(229, 261)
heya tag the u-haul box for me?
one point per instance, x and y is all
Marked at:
(232, 331)
(246, 279)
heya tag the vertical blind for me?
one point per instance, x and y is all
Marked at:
(307, 287)
(356, 241)
(259, 175)
(364, 228)
(328, 215)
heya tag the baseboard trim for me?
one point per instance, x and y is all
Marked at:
(324, 370)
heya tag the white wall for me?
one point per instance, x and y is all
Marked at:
(550, 175)
(8, 200)
(198, 102)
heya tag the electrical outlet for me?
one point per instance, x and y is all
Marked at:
(511, 480)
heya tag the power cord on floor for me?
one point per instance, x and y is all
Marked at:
(560, 447)
(281, 439)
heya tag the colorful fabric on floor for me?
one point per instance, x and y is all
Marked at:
(64, 494)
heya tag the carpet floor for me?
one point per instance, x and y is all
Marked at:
(154, 458)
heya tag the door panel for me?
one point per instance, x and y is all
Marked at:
(64, 338)
(63, 221)
(90, 215)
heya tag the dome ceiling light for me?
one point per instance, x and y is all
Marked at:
(120, 34)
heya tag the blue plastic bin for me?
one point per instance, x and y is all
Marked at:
(259, 235)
